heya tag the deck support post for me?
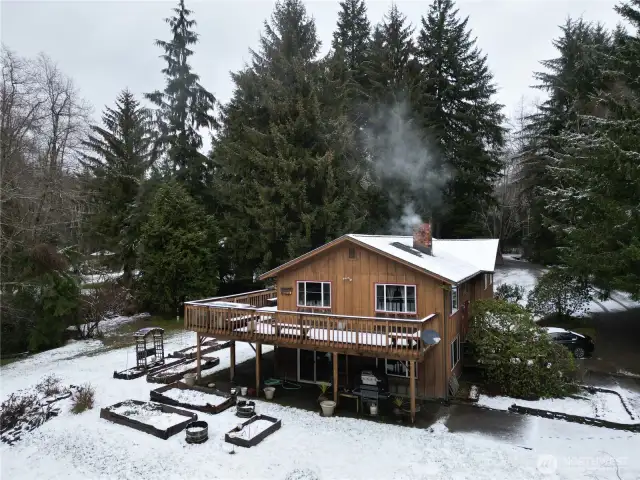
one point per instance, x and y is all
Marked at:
(335, 377)
(412, 389)
(198, 356)
(258, 360)
(232, 358)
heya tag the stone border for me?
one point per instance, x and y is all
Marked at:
(252, 442)
(157, 396)
(596, 422)
(158, 377)
(107, 414)
(628, 409)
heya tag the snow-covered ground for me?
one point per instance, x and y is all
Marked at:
(527, 276)
(307, 446)
(600, 405)
(108, 325)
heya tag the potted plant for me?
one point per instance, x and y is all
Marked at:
(324, 386)
(327, 407)
(397, 406)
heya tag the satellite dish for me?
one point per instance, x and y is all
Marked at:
(430, 337)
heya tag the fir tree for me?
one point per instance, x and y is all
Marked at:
(571, 80)
(178, 255)
(282, 150)
(389, 64)
(454, 100)
(184, 106)
(120, 156)
(593, 200)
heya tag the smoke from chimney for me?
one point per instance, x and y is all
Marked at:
(399, 150)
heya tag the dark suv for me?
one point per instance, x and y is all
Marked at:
(579, 344)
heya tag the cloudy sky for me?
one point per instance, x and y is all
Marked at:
(108, 45)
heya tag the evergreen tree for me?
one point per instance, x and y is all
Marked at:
(120, 156)
(454, 101)
(282, 150)
(184, 107)
(389, 67)
(571, 80)
(351, 42)
(178, 256)
(593, 200)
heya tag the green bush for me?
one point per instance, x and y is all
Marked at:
(509, 293)
(520, 359)
(559, 293)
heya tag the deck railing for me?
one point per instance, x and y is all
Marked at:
(256, 298)
(377, 337)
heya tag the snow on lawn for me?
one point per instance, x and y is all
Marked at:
(601, 405)
(85, 446)
(307, 446)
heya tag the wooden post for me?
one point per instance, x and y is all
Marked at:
(335, 377)
(412, 389)
(232, 356)
(258, 355)
(198, 356)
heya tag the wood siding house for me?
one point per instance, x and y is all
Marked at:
(363, 302)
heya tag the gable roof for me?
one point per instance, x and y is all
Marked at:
(453, 261)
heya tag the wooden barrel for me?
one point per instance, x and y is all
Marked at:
(197, 432)
(245, 409)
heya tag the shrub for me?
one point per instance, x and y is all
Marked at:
(559, 293)
(509, 293)
(82, 399)
(520, 359)
(50, 386)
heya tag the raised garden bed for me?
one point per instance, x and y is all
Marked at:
(156, 419)
(137, 372)
(175, 373)
(208, 400)
(207, 347)
(253, 431)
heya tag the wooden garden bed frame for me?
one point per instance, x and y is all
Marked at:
(209, 346)
(125, 375)
(252, 442)
(107, 414)
(157, 376)
(157, 395)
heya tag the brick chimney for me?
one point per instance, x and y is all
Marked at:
(422, 238)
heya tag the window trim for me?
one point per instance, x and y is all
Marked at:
(322, 282)
(454, 288)
(405, 285)
(451, 351)
(408, 368)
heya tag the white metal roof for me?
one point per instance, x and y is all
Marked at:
(454, 260)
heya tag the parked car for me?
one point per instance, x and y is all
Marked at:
(580, 345)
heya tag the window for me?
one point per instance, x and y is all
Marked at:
(455, 352)
(396, 298)
(314, 294)
(454, 299)
(352, 253)
(398, 368)
(488, 280)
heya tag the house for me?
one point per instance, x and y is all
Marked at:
(394, 305)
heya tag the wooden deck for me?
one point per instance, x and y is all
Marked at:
(246, 318)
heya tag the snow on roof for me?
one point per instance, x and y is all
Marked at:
(454, 260)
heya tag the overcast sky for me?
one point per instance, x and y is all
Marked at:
(106, 46)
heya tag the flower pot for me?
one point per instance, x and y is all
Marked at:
(268, 392)
(327, 407)
(190, 379)
(373, 409)
(243, 391)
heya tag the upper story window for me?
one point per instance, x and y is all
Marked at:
(488, 280)
(395, 298)
(454, 299)
(314, 294)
